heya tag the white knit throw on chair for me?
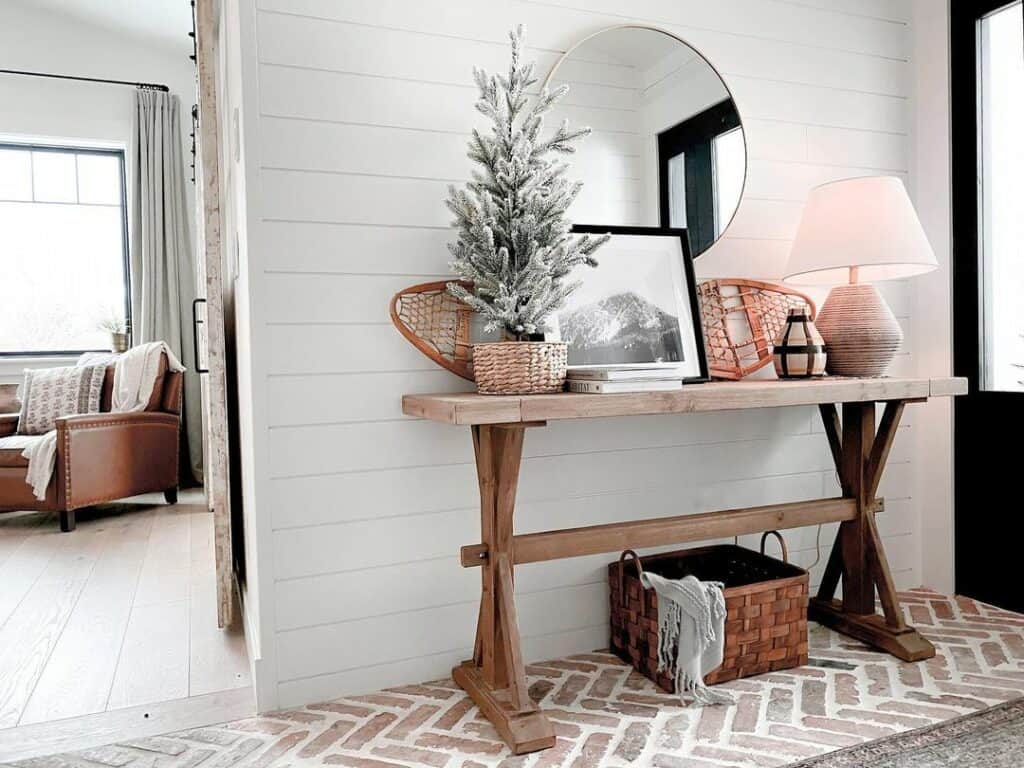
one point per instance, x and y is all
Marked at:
(691, 622)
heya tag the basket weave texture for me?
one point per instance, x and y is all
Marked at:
(741, 320)
(765, 599)
(436, 323)
(520, 367)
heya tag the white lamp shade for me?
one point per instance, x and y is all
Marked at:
(868, 223)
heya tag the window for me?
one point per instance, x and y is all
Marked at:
(701, 164)
(1001, 192)
(63, 248)
(730, 168)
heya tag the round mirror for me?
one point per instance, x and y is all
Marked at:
(667, 147)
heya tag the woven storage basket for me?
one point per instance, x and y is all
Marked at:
(520, 367)
(766, 600)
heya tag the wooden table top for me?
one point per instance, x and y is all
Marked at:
(472, 408)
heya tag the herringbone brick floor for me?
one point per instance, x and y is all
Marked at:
(606, 715)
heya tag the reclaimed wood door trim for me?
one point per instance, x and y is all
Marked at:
(216, 410)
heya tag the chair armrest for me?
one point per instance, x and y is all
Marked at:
(107, 456)
(8, 423)
(95, 421)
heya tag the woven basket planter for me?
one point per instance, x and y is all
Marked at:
(520, 367)
(765, 599)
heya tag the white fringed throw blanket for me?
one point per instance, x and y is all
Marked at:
(134, 377)
(135, 374)
(691, 622)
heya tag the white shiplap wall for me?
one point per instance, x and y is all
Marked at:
(363, 113)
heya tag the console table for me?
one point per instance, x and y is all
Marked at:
(495, 677)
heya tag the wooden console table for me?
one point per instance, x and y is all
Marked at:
(495, 677)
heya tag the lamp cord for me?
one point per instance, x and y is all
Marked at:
(817, 538)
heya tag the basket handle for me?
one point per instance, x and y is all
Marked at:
(622, 579)
(782, 543)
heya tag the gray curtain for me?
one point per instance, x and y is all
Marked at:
(162, 254)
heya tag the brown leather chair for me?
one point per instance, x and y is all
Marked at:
(102, 456)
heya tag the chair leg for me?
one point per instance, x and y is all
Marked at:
(67, 520)
(171, 494)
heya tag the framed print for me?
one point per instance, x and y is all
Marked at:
(639, 307)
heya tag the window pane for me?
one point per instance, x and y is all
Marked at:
(677, 191)
(63, 266)
(15, 175)
(99, 179)
(54, 175)
(730, 168)
(1001, 225)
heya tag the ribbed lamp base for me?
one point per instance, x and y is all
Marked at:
(860, 331)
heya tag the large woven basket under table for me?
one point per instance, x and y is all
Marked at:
(766, 600)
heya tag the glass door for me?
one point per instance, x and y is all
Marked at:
(987, 120)
(1000, 119)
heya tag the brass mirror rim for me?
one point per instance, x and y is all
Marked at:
(688, 44)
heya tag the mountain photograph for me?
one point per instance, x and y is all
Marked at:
(619, 329)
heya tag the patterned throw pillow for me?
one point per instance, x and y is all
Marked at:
(53, 392)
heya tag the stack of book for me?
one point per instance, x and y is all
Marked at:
(616, 379)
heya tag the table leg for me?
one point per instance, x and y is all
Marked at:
(495, 677)
(857, 555)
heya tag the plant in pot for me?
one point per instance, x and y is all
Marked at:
(514, 241)
(113, 322)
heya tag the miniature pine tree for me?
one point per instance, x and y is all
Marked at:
(514, 242)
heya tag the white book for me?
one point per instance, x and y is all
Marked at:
(626, 373)
(618, 387)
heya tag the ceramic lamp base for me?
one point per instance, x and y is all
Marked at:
(860, 331)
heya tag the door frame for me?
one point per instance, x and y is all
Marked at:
(971, 556)
(217, 478)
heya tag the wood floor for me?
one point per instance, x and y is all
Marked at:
(117, 614)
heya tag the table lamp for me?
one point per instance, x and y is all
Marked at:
(855, 232)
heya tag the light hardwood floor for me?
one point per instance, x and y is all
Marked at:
(118, 614)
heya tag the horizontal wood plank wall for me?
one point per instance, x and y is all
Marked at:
(365, 110)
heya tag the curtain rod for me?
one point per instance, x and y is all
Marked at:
(145, 86)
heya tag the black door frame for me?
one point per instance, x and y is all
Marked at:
(979, 568)
(693, 137)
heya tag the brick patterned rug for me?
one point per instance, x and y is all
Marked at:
(606, 715)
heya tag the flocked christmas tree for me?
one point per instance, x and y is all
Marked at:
(514, 241)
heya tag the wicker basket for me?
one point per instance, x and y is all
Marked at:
(766, 600)
(520, 367)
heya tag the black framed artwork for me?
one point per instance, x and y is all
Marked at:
(639, 307)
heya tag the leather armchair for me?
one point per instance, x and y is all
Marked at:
(102, 456)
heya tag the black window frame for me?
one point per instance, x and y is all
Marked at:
(980, 571)
(126, 260)
(694, 138)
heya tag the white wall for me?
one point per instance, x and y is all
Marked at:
(930, 189)
(610, 160)
(363, 111)
(59, 110)
(239, 118)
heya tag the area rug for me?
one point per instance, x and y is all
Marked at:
(993, 738)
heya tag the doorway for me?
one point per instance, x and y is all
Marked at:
(109, 631)
(987, 83)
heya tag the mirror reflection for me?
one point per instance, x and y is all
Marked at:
(668, 146)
